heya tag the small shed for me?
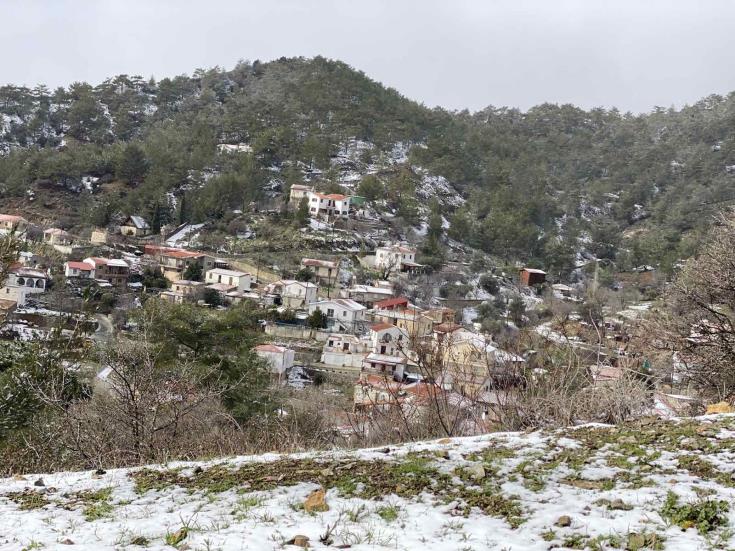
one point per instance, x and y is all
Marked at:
(532, 276)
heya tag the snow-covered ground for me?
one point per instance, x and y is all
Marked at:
(593, 487)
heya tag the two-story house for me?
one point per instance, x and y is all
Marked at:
(325, 270)
(294, 294)
(328, 204)
(396, 258)
(174, 262)
(111, 270)
(342, 314)
(344, 350)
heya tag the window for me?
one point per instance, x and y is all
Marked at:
(330, 312)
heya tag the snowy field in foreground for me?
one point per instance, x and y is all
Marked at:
(593, 487)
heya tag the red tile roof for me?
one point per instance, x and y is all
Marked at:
(387, 303)
(80, 266)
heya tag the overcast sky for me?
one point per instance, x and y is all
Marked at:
(632, 54)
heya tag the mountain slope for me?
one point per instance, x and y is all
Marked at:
(540, 186)
(594, 487)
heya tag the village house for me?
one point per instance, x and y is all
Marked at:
(293, 294)
(412, 399)
(174, 262)
(135, 226)
(59, 239)
(342, 314)
(367, 295)
(112, 270)
(234, 279)
(299, 192)
(412, 320)
(343, 350)
(325, 271)
(390, 351)
(396, 258)
(389, 339)
(279, 358)
(99, 236)
(474, 364)
(33, 281)
(532, 276)
(27, 258)
(183, 290)
(331, 204)
(80, 270)
(12, 296)
(12, 223)
(393, 303)
(57, 236)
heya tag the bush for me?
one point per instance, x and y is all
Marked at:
(705, 515)
(489, 283)
(317, 319)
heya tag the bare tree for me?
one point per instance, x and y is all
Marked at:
(137, 409)
(696, 327)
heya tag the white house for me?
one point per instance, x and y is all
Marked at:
(396, 258)
(342, 350)
(34, 281)
(330, 204)
(387, 339)
(83, 270)
(238, 281)
(279, 358)
(294, 294)
(342, 313)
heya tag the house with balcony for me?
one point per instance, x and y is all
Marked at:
(33, 281)
(174, 262)
(396, 258)
(111, 270)
(325, 271)
(343, 314)
(292, 293)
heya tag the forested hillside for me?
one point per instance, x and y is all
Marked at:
(547, 186)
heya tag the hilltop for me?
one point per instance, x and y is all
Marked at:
(650, 484)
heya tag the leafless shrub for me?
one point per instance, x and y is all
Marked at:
(695, 330)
